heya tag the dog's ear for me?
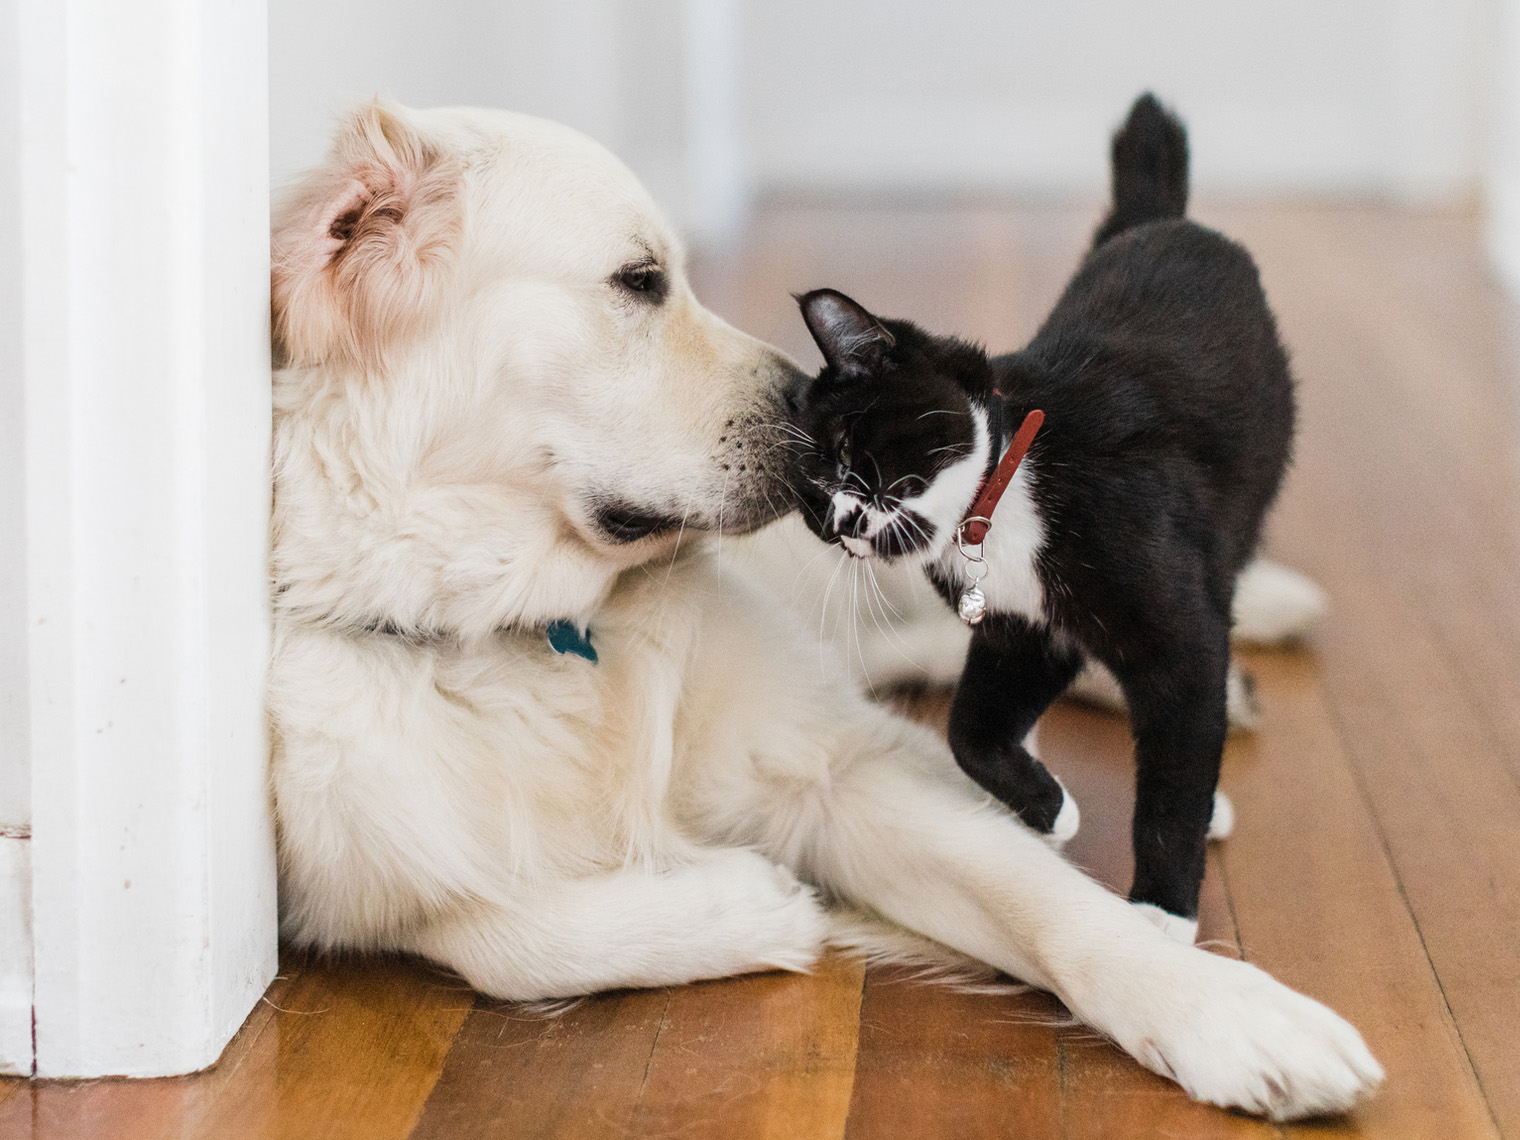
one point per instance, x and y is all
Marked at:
(363, 245)
(853, 342)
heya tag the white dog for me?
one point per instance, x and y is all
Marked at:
(501, 416)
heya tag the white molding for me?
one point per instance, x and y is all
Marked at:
(15, 956)
(144, 202)
(15, 782)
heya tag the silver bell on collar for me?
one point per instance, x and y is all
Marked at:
(972, 606)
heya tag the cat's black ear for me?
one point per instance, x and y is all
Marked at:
(853, 341)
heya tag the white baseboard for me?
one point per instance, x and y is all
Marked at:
(15, 957)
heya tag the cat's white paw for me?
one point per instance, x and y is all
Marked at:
(1068, 820)
(1222, 822)
(1174, 926)
(1274, 605)
(1232, 1036)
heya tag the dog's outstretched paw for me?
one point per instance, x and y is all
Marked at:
(1236, 1038)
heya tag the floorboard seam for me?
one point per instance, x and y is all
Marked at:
(1491, 732)
(638, 1097)
(1398, 879)
(844, 1132)
(476, 1004)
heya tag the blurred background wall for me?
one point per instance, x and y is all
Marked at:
(718, 102)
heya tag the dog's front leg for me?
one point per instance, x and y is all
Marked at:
(906, 835)
(727, 911)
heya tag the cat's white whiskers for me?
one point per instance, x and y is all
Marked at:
(887, 630)
(957, 447)
(909, 520)
(860, 653)
(882, 594)
(808, 565)
(823, 616)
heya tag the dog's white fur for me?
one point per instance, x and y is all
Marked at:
(463, 382)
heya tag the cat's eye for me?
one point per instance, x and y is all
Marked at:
(644, 280)
(845, 456)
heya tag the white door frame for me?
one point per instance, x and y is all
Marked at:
(140, 185)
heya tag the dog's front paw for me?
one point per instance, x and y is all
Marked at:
(1234, 1037)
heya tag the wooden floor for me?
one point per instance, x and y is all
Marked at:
(1376, 863)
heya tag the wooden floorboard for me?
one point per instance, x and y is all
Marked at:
(935, 1062)
(534, 1075)
(339, 1050)
(1394, 530)
(1376, 863)
(767, 1057)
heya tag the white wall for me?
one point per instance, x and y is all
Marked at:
(713, 100)
(1350, 95)
(15, 789)
(139, 289)
(15, 782)
(651, 79)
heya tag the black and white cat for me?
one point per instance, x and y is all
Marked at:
(1168, 424)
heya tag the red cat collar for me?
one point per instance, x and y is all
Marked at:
(979, 519)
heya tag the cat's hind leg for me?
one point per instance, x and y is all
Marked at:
(1013, 672)
(1177, 710)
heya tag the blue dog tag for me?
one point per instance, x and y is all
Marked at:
(564, 637)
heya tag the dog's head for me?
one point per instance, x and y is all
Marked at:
(494, 388)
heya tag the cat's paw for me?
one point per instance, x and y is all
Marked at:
(1222, 822)
(1274, 605)
(1242, 706)
(1067, 821)
(1174, 926)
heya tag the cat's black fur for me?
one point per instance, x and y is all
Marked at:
(1169, 420)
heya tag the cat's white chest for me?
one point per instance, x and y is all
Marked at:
(1011, 584)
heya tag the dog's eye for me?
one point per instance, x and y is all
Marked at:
(645, 280)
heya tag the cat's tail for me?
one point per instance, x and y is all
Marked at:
(1150, 169)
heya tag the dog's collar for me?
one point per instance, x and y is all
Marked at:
(563, 636)
(978, 520)
(567, 637)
